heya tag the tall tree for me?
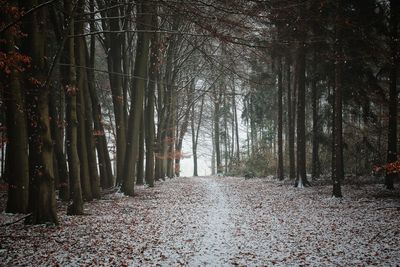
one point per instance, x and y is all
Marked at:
(217, 97)
(140, 161)
(393, 92)
(17, 165)
(42, 181)
(57, 113)
(338, 113)
(280, 120)
(113, 45)
(290, 120)
(144, 17)
(195, 133)
(301, 179)
(106, 175)
(70, 85)
(150, 103)
(315, 119)
(236, 122)
(184, 126)
(80, 59)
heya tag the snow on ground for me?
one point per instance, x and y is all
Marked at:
(216, 221)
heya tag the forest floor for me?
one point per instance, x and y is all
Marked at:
(216, 221)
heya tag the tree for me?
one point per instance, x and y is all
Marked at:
(315, 125)
(338, 133)
(71, 91)
(113, 47)
(149, 105)
(393, 94)
(301, 179)
(195, 133)
(80, 59)
(280, 173)
(217, 96)
(144, 11)
(43, 209)
(184, 124)
(17, 166)
(290, 120)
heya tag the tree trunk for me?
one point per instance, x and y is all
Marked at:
(170, 103)
(217, 99)
(226, 135)
(338, 137)
(56, 123)
(195, 135)
(94, 177)
(393, 94)
(236, 124)
(290, 119)
(138, 88)
(69, 82)
(149, 106)
(280, 122)
(114, 58)
(172, 135)
(81, 106)
(42, 180)
(213, 169)
(301, 179)
(315, 118)
(106, 175)
(17, 163)
(184, 128)
(140, 162)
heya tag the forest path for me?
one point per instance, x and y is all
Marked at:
(216, 221)
(217, 243)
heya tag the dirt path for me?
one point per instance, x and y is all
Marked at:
(217, 244)
(216, 221)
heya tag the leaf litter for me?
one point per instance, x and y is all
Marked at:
(216, 221)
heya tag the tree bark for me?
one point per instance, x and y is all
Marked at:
(106, 175)
(114, 59)
(290, 119)
(149, 105)
(56, 123)
(195, 135)
(301, 179)
(236, 123)
(81, 105)
(140, 162)
(17, 163)
(216, 115)
(69, 82)
(315, 118)
(280, 122)
(338, 137)
(144, 12)
(393, 95)
(42, 180)
(183, 128)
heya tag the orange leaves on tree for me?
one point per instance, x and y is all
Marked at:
(10, 59)
(71, 90)
(389, 168)
(13, 61)
(98, 133)
(13, 11)
(119, 100)
(35, 82)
